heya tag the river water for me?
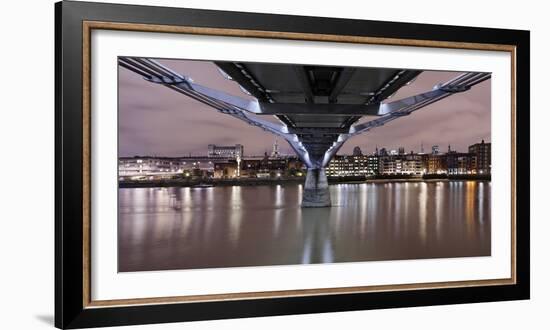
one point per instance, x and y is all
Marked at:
(185, 228)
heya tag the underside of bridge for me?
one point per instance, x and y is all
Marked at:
(318, 107)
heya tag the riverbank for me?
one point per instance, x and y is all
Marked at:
(295, 180)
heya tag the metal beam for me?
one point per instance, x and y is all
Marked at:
(317, 109)
(238, 74)
(317, 130)
(343, 78)
(393, 84)
(301, 74)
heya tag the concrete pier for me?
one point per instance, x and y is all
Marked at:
(316, 192)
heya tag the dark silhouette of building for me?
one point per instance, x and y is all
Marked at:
(459, 163)
(482, 151)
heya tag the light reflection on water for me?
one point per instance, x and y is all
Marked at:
(183, 228)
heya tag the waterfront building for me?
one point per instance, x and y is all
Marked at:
(482, 151)
(226, 169)
(387, 165)
(128, 166)
(340, 166)
(163, 167)
(412, 164)
(461, 163)
(437, 164)
(372, 165)
(273, 166)
(254, 167)
(409, 164)
(361, 165)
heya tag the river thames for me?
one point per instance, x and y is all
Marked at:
(188, 228)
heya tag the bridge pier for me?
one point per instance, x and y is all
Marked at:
(316, 192)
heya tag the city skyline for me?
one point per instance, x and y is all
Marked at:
(156, 121)
(230, 163)
(427, 150)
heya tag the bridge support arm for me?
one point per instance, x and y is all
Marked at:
(393, 110)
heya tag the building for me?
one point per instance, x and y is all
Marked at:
(435, 150)
(136, 166)
(387, 165)
(409, 164)
(226, 169)
(461, 163)
(275, 151)
(357, 151)
(436, 164)
(263, 167)
(227, 152)
(482, 151)
(274, 167)
(341, 166)
(164, 167)
(412, 164)
(356, 165)
(372, 165)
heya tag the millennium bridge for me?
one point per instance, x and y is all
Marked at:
(318, 107)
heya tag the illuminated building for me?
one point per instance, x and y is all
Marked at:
(409, 164)
(437, 164)
(229, 152)
(163, 167)
(360, 165)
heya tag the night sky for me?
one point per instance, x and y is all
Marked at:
(157, 121)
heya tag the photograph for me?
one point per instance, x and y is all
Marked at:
(250, 164)
(222, 164)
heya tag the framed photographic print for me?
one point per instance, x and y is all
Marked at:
(218, 164)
